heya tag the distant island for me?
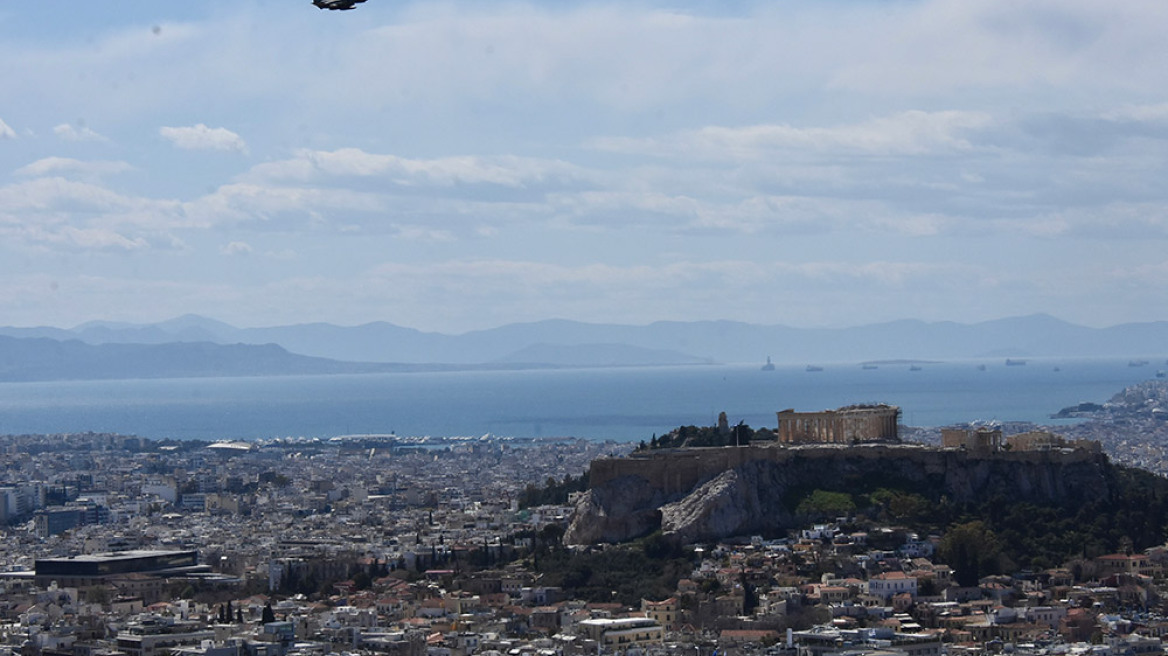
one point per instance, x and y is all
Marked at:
(40, 359)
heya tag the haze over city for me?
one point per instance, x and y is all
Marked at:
(453, 166)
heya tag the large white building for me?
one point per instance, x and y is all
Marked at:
(890, 584)
(622, 633)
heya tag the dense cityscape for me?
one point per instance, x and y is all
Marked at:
(588, 328)
(452, 547)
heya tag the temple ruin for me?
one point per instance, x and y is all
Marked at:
(853, 424)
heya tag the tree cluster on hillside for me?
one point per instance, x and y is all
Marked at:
(552, 492)
(648, 568)
(697, 436)
(998, 534)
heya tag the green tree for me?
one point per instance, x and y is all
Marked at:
(657, 547)
(822, 502)
(551, 536)
(741, 434)
(750, 596)
(362, 580)
(97, 594)
(972, 550)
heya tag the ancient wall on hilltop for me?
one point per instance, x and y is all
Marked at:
(679, 470)
(703, 493)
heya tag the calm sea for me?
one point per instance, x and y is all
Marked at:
(625, 404)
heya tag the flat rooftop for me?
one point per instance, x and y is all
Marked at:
(117, 555)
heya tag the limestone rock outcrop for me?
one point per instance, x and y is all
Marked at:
(711, 493)
(715, 507)
(621, 509)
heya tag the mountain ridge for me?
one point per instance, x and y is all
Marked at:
(40, 359)
(1035, 335)
(25, 359)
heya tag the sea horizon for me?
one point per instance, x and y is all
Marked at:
(625, 404)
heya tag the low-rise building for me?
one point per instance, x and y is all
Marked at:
(622, 633)
(890, 584)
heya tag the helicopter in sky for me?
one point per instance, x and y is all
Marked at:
(336, 5)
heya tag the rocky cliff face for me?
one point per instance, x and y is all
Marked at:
(705, 494)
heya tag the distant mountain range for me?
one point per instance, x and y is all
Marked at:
(196, 346)
(38, 358)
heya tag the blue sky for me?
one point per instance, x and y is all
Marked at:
(459, 165)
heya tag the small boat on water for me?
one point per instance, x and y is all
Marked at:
(1136, 363)
(981, 367)
(769, 366)
(812, 367)
(1162, 374)
(914, 367)
(1011, 362)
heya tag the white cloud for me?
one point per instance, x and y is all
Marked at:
(277, 205)
(546, 279)
(72, 238)
(748, 213)
(563, 62)
(1153, 114)
(770, 149)
(423, 233)
(201, 137)
(66, 196)
(910, 174)
(68, 166)
(1118, 220)
(907, 133)
(67, 132)
(506, 171)
(236, 248)
(54, 212)
(283, 254)
(949, 46)
(529, 290)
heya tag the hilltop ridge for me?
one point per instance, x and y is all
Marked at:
(698, 494)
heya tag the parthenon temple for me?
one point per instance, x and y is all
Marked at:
(851, 424)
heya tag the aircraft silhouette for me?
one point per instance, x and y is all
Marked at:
(336, 5)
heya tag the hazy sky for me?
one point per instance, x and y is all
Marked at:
(460, 165)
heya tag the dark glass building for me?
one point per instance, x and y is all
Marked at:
(91, 569)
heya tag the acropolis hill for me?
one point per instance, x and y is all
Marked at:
(695, 494)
